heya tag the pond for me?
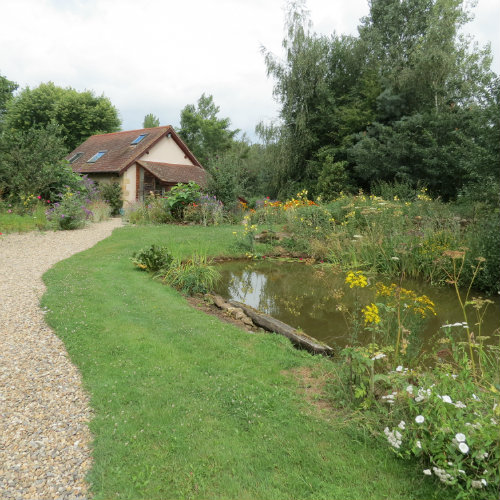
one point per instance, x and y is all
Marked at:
(309, 297)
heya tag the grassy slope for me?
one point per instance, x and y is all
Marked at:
(187, 406)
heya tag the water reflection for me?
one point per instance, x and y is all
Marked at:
(311, 298)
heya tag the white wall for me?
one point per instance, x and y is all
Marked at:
(166, 150)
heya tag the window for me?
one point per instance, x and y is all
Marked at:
(139, 139)
(96, 156)
(75, 157)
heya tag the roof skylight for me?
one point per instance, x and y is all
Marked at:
(96, 156)
(139, 139)
(75, 157)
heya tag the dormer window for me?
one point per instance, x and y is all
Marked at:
(138, 139)
(96, 156)
(75, 157)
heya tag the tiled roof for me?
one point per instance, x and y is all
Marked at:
(173, 173)
(120, 154)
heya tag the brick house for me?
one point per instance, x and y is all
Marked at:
(143, 161)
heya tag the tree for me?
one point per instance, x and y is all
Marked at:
(78, 114)
(408, 100)
(7, 88)
(205, 134)
(151, 121)
(32, 162)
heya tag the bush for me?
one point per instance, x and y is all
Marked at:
(448, 423)
(180, 196)
(111, 193)
(193, 276)
(153, 259)
(70, 213)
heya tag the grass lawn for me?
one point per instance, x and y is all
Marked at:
(13, 223)
(189, 407)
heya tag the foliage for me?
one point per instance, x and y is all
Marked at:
(100, 210)
(205, 134)
(180, 196)
(70, 212)
(154, 259)
(111, 193)
(408, 100)
(387, 235)
(151, 121)
(78, 114)
(32, 162)
(207, 211)
(153, 210)
(224, 182)
(193, 276)
(448, 423)
(7, 88)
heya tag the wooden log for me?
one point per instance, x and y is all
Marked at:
(271, 324)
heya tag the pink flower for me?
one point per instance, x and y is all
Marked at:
(48, 201)
(39, 197)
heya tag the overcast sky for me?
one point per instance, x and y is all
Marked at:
(156, 56)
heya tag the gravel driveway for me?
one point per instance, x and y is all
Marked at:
(44, 438)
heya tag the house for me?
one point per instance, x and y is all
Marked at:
(144, 161)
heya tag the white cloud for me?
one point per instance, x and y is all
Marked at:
(158, 56)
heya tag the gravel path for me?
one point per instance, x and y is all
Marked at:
(44, 438)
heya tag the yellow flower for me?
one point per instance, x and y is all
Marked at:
(356, 279)
(371, 314)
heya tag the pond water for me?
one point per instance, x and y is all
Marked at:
(308, 297)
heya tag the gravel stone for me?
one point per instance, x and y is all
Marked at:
(44, 412)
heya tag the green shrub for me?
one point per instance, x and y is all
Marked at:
(111, 193)
(70, 213)
(193, 276)
(153, 259)
(449, 424)
(180, 196)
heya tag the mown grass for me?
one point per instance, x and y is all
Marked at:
(189, 407)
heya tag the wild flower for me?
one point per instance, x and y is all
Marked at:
(356, 279)
(371, 314)
(419, 419)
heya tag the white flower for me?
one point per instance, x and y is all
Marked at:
(484, 482)
(475, 397)
(419, 419)
(378, 356)
(394, 258)
(419, 444)
(447, 399)
(409, 389)
(463, 447)
(401, 425)
(460, 437)
(459, 404)
(419, 398)
(398, 435)
(427, 472)
(461, 471)
(399, 368)
(476, 484)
